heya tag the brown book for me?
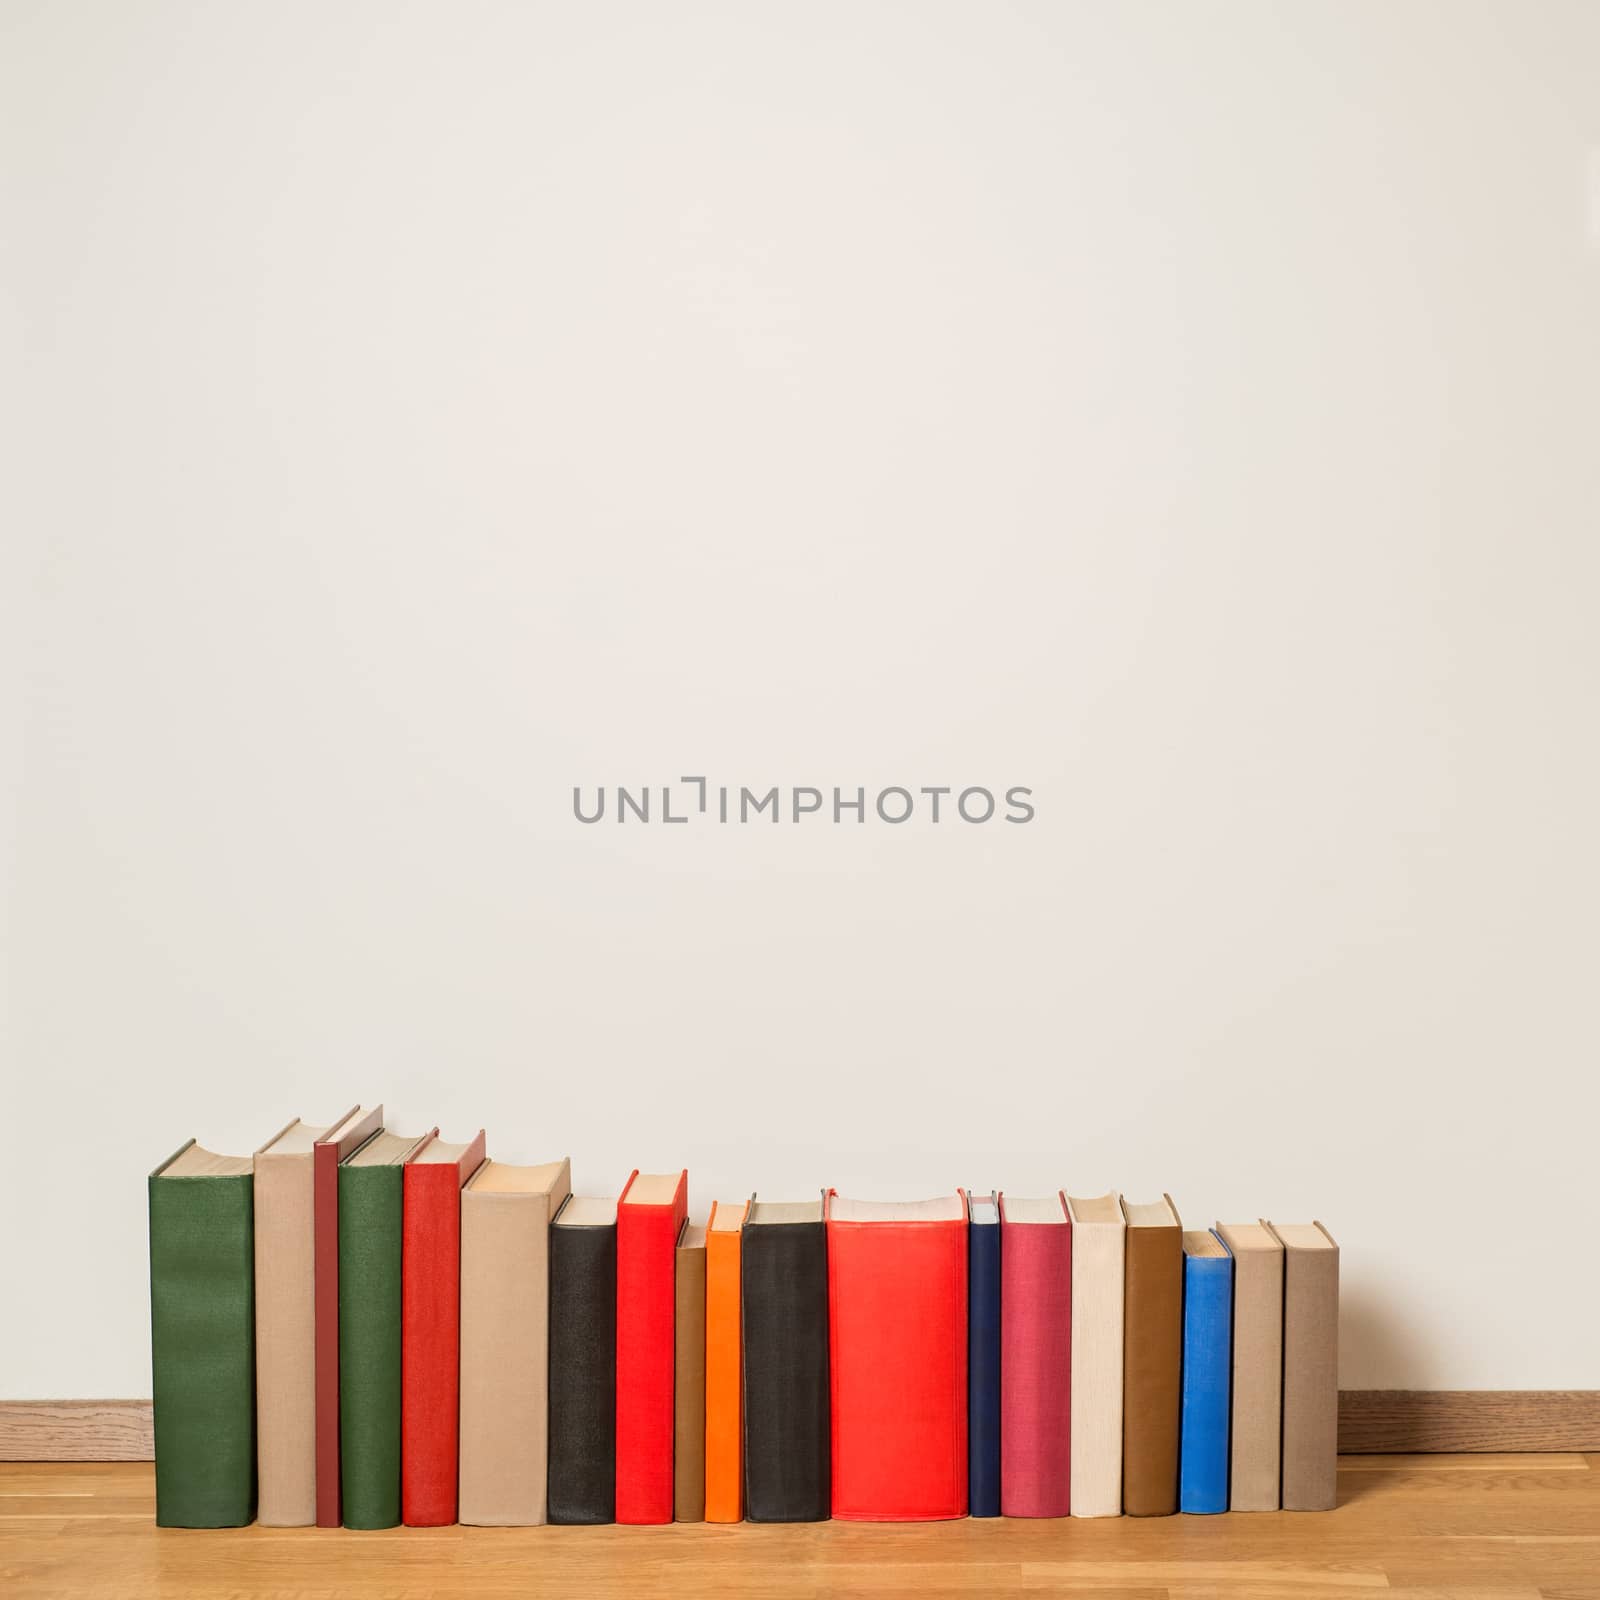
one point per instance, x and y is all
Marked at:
(505, 1340)
(1152, 1358)
(1310, 1366)
(689, 1378)
(1254, 1453)
(286, 1328)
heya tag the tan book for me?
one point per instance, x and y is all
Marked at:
(505, 1340)
(1152, 1358)
(1254, 1453)
(286, 1327)
(1098, 1252)
(1310, 1366)
(689, 1378)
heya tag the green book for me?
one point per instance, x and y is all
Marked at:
(202, 1339)
(370, 1211)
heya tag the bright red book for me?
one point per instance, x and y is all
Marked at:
(897, 1319)
(1035, 1357)
(430, 1329)
(650, 1217)
(343, 1139)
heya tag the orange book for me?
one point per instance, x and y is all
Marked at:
(724, 1400)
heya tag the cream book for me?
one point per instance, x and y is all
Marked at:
(1257, 1405)
(1310, 1366)
(505, 1340)
(1099, 1234)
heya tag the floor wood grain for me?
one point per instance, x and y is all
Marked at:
(1506, 1527)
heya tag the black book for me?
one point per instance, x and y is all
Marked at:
(583, 1362)
(783, 1286)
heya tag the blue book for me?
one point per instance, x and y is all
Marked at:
(1207, 1369)
(983, 1356)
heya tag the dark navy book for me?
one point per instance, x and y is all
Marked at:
(1207, 1367)
(983, 1356)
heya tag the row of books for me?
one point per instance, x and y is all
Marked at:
(363, 1327)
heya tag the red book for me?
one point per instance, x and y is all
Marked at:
(897, 1320)
(1035, 1357)
(650, 1217)
(430, 1329)
(343, 1139)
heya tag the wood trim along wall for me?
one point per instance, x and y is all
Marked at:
(1371, 1422)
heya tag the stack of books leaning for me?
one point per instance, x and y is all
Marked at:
(366, 1328)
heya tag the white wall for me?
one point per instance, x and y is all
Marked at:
(412, 411)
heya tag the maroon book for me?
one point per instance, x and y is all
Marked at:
(343, 1139)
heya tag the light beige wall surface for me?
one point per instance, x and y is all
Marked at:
(1190, 412)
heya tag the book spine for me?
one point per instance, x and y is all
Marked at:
(286, 1383)
(430, 1343)
(724, 1378)
(325, 1162)
(647, 1239)
(1207, 1360)
(897, 1305)
(1310, 1380)
(689, 1389)
(202, 1341)
(784, 1295)
(1096, 1405)
(984, 1269)
(1152, 1363)
(1256, 1441)
(370, 1257)
(1036, 1404)
(583, 1373)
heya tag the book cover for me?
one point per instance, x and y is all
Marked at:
(784, 1296)
(1207, 1369)
(430, 1328)
(724, 1442)
(1036, 1357)
(1310, 1366)
(371, 1206)
(286, 1328)
(505, 1340)
(689, 1377)
(897, 1312)
(202, 1338)
(983, 1354)
(582, 1486)
(336, 1145)
(650, 1216)
(1098, 1254)
(1152, 1358)
(1256, 1406)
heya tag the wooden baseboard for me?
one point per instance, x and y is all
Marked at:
(1371, 1422)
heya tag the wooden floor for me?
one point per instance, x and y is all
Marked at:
(1475, 1527)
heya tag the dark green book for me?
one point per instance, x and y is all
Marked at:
(203, 1339)
(370, 1214)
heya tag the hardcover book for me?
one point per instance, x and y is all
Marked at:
(430, 1329)
(1256, 1407)
(583, 1361)
(336, 1145)
(784, 1292)
(983, 1354)
(371, 1206)
(1152, 1358)
(202, 1339)
(1098, 1236)
(897, 1311)
(1036, 1358)
(689, 1379)
(505, 1340)
(1207, 1363)
(724, 1366)
(286, 1328)
(650, 1216)
(1310, 1366)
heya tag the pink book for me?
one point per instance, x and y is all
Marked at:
(1035, 1357)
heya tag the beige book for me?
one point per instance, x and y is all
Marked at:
(286, 1328)
(689, 1377)
(1254, 1456)
(505, 1340)
(1099, 1235)
(1310, 1366)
